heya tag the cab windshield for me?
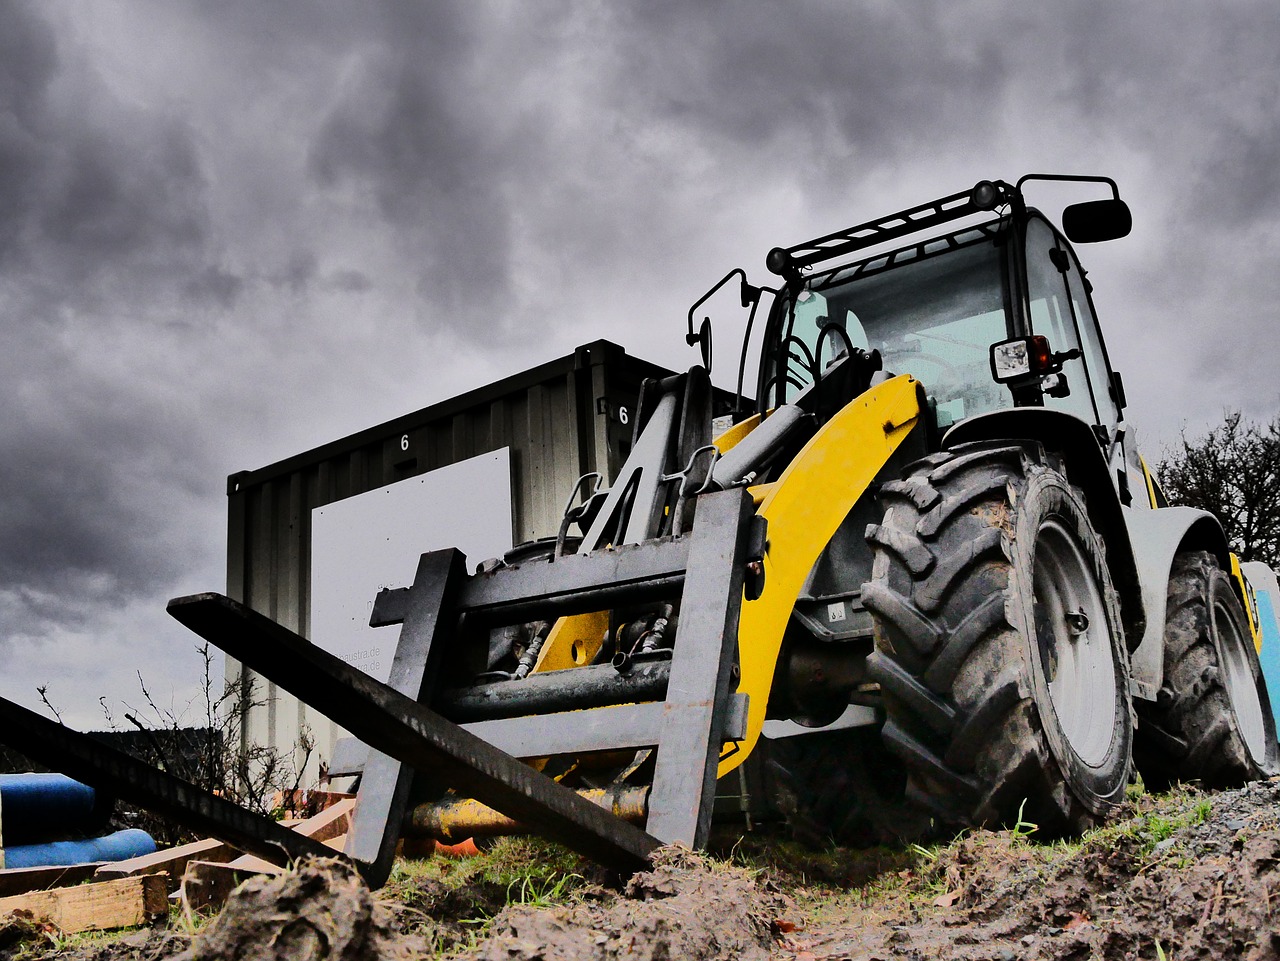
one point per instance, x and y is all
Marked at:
(935, 317)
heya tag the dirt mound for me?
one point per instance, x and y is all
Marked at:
(1187, 875)
(321, 910)
(686, 907)
(1202, 889)
(1191, 877)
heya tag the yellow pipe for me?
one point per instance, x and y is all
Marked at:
(461, 818)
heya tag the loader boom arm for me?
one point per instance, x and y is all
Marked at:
(804, 507)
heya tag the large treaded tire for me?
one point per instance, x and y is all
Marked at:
(1212, 720)
(993, 712)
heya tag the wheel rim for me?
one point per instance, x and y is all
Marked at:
(1073, 637)
(1242, 689)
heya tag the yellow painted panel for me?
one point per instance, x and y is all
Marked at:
(804, 508)
(573, 642)
(730, 438)
(1148, 482)
(1250, 606)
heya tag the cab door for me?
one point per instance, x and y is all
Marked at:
(1059, 307)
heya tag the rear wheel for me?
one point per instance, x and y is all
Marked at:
(999, 649)
(1212, 720)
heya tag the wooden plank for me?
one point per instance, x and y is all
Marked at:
(313, 800)
(208, 884)
(248, 862)
(330, 822)
(172, 860)
(21, 880)
(100, 906)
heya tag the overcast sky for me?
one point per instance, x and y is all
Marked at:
(232, 231)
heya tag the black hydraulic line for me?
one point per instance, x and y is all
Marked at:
(409, 732)
(104, 768)
(599, 685)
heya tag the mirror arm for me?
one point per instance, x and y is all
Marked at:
(1069, 178)
(692, 338)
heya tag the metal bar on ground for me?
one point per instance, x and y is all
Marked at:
(456, 819)
(397, 725)
(107, 769)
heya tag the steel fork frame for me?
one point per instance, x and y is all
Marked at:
(705, 566)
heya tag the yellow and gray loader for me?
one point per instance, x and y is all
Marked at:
(924, 579)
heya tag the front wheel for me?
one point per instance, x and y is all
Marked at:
(1212, 721)
(999, 648)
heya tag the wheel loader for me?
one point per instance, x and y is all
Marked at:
(917, 576)
(969, 601)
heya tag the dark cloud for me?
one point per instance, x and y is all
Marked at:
(102, 214)
(350, 281)
(97, 197)
(28, 58)
(854, 81)
(229, 232)
(410, 131)
(215, 286)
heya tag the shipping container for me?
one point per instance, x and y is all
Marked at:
(555, 423)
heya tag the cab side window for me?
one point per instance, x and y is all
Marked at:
(1052, 316)
(1097, 369)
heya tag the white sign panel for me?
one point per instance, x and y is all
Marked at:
(373, 540)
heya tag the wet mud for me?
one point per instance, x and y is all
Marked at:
(1148, 888)
(1197, 877)
(687, 907)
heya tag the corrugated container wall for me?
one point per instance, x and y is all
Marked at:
(560, 420)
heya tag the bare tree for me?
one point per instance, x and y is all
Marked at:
(1233, 472)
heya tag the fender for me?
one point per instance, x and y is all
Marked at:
(1087, 469)
(1157, 535)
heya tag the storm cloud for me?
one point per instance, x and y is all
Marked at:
(232, 232)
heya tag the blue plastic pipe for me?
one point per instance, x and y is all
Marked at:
(129, 843)
(47, 807)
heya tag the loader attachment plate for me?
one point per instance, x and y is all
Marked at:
(403, 729)
(688, 721)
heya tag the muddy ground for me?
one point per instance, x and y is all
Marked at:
(1182, 876)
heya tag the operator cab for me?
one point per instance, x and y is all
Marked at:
(991, 315)
(951, 310)
(932, 311)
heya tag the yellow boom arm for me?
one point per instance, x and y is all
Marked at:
(804, 508)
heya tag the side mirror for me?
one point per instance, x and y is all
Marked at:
(703, 337)
(1097, 220)
(1024, 358)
